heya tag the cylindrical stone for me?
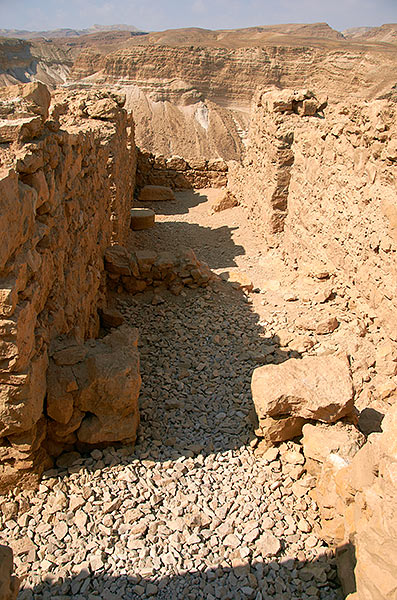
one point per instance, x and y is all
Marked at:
(142, 218)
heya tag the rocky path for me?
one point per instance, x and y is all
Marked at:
(191, 512)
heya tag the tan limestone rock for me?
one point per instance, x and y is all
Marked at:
(314, 387)
(142, 218)
(288, 394)
(156, 193)
(111, 317)
(341, 440)
(227, 200)
(104, 383)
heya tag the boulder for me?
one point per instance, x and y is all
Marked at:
(224, 201)
(312, 388)
(94, 396)
(111, 317)
(32, 97)
(156, 193)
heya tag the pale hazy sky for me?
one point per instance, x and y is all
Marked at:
(155, 15)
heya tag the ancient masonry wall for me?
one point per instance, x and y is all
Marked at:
(320, 182)
(179, 174)
(67, 179)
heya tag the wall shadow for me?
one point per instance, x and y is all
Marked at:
(213, 246)
(185, 200)
(198, 352)
(260, 580)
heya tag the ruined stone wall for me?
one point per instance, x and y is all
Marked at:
(179, 174)
(66, 185)
(320, 182)
(355, 492)
(342, 207)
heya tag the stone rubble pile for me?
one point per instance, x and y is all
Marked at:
(136, 271)
(190, 513)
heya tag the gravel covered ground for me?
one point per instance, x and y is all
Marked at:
(191, 512)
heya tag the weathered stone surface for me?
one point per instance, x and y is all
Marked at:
(9, 584)
(318, 387)
(64, 198)
(31, 97)
(104, 382)
(20, 129)
(111, 317)
(142, 218)
(155, 193)
(323, 442)
(227, 200)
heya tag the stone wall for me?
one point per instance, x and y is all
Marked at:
(179, 174)
(135, 272)
(355, 491)
(67, 178)
(320, 183)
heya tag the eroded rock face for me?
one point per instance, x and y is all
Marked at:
(289, 394)
(9, 585)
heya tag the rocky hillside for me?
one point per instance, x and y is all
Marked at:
(178, 82)
(385, 33)
(23, 61)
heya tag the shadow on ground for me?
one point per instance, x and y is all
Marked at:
(213, 246)
(198, 352)
(185, 200)
(260, 581)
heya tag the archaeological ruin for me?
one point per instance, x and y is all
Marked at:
(198, 327)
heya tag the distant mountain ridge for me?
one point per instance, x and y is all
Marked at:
(65, 32)
(384, 33)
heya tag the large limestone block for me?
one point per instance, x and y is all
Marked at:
(313, 388)
(9, 585)
(108, 378)
(156, 193)
(105, 429)
(33, 97)
(93, 390)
